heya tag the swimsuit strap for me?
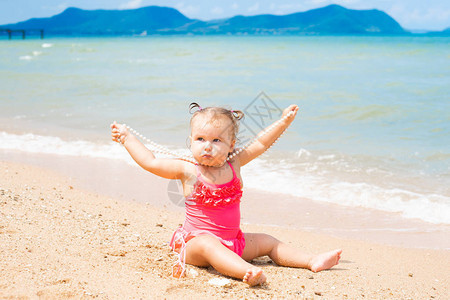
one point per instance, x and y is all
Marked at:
(232, 169)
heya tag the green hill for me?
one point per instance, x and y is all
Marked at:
(332, 19)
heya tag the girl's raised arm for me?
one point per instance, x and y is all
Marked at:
(263, 142)
(166, 168)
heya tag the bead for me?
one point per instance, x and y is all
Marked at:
(163, 150)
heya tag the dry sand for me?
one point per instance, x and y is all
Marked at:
(58, 241)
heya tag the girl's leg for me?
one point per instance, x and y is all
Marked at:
(257, 244)
(206, 250)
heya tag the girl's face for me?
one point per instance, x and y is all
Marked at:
(211, 140)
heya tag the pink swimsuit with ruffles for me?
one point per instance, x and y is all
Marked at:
(211, 209)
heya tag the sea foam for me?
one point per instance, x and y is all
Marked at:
(327, 184)
(33, 143)
(306, 180)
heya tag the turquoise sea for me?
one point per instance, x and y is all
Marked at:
(373, 129)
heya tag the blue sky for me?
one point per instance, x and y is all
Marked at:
(411, 14)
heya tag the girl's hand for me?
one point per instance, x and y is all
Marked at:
(293, 108)
(119, 132)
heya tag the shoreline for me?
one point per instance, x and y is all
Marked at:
(131, 183)
(60, 241)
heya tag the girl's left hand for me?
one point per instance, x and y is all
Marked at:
(294, 108)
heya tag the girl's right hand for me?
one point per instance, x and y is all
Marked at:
(119, 132)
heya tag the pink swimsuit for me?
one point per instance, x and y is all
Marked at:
(211, 209)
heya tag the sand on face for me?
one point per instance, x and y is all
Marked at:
(59, 241)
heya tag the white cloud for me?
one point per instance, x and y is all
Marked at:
(189, 11)
(421, 18)
(287, 8)
(217, 10)
(131, 4)
(235, 5)
(429, 15)
(55, 8)
(317, 2)
(62, 6)
(254, 7)
(345, 2)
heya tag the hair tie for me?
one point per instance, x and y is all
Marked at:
(194, 107)
(237, 114)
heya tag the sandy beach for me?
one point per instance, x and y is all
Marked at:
(62, 240)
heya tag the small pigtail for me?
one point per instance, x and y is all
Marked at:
(237, 114)
(193, 106)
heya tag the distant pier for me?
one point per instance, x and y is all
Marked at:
(23, 32)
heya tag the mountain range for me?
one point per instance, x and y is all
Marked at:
(329, 20)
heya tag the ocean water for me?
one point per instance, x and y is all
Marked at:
(373, 128)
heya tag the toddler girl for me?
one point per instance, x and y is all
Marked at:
(211, 234)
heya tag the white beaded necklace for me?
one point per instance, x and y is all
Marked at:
(189, 158)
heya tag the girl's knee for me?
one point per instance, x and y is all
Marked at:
(269, 241)
(272, 238)
(267, 245)
(258, 244)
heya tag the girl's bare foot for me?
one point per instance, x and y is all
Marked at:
(254, 276)
(325, 260)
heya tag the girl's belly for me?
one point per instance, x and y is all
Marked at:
(221, 221)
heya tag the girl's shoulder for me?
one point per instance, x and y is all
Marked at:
(190, 169)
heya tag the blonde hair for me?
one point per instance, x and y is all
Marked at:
(216, 112)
